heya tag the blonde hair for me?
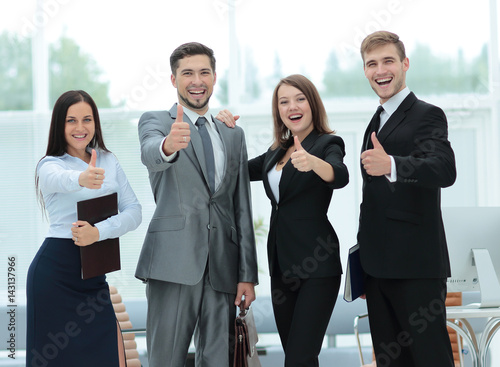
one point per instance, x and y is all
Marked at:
(382, 38)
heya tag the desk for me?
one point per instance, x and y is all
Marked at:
(457, 319)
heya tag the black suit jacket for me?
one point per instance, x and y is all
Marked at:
(401, 232)
(301, 239)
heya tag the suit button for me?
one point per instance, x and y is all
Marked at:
(208, 226)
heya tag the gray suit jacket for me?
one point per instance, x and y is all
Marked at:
(191, 226)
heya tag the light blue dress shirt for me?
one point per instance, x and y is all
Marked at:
(58, 182)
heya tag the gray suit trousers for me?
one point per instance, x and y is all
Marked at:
(176, 311)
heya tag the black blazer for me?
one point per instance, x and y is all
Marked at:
(301, 240)
(401, 232)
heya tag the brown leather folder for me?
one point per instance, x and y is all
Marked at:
(102, 256)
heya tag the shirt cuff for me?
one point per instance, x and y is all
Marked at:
(392, 177)
(166, 158)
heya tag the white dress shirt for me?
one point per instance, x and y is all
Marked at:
(58, 182)
(389, 108)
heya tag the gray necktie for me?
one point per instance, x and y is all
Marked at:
(208, 150)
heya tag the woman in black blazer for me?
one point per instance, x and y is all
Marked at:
(299, 172)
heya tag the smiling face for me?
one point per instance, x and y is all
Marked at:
(194, 80)
(295, 111)
(385, 71)
(79, 129)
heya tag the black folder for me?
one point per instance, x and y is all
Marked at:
(355, 276)
(101, 257)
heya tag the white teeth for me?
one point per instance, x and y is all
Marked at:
(295, 117)
(79, 136)
(384, 80)
(197, 92)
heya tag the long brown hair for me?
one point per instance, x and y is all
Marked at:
(282, 135)
(57, 144)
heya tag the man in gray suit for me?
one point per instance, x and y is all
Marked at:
(198, 257)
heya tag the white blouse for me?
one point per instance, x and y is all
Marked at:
(274, 178)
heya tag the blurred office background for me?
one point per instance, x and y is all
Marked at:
(119, 53)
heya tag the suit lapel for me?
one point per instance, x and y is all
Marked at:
(396, 118)
(367, 134)
(226, 142)
(272, 157)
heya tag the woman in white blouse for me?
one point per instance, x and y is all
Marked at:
(71, 321)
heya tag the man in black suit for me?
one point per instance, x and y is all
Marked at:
(406, 160)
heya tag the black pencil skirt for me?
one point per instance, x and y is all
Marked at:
(70, 321)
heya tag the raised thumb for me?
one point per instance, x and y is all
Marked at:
(93, 158)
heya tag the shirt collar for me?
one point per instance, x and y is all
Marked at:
(193, 116)
(393, 103)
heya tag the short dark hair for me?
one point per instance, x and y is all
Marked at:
(382, 38)
(190, 49)
(282, 136)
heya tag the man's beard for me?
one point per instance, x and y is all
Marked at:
(190, 105)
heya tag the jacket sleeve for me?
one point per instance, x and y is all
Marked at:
(334, 155)
(255, 167)
(243, 215)
(152, 131)
(432, 161)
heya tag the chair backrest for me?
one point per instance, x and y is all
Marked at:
(454, 299)
(131, 353)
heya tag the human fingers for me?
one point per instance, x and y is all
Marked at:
(181, 133)
(227, 118)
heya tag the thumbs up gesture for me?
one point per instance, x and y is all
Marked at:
(375, 161)
(92, 177)
(179, 136)
(301, 160)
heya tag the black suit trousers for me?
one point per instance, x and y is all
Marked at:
(302, 309)
(408, 326)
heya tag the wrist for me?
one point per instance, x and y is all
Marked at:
(315, 163)
(96, 233)
(167, 149)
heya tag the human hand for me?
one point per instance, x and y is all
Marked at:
(376, 161)
(248, 291)
(92, 177)
(179, 136)
(227, 117)
(301, 160)
(84, 234)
